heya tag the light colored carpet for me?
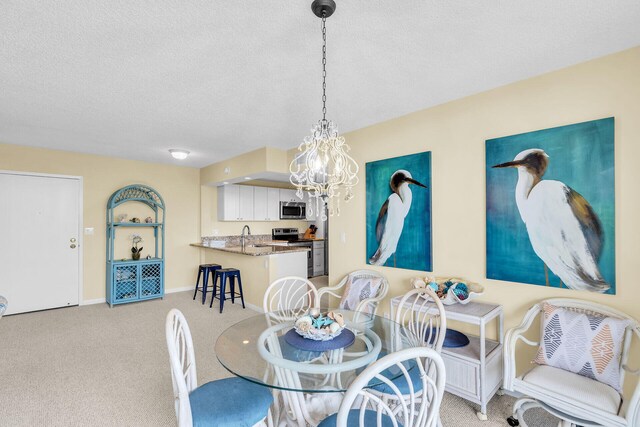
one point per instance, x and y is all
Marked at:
(101, 366)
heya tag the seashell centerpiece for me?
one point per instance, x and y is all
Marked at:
(319, 327)
(450, 290)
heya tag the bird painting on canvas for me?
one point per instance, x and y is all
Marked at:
(391, 216)
(564, 231)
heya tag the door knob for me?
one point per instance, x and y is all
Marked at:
(73, 246)
(72, 240)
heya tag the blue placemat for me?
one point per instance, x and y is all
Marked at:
(345, 339)
(452, 339)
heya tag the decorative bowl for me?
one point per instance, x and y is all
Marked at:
(319, 327)
(451, 290)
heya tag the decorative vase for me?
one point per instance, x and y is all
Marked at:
(135, 255)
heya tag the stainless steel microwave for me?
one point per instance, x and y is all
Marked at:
(293, 210)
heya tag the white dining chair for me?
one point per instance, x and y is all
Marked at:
(349, 291)
(364, 408)
(421, 321)
(289, 298)
(285, 300)
(227, 402)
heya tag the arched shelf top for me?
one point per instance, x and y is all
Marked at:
(137, 193)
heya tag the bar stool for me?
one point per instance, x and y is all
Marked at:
(222, 275)
(206, 269)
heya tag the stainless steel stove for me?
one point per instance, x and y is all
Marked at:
(292, 238)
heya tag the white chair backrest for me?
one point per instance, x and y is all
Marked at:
(421, 319)
(420, 409)
(289, 298)
(183, 364)
(368, 305)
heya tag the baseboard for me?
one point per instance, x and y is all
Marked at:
(174, 290)
(93, 301)
(253, 307)
(167, 291)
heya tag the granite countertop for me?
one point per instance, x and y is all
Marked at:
(252, 250)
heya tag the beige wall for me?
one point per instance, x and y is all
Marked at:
(265, 159)
(179, 186)
(455, 133)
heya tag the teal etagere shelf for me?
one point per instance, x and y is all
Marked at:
(135, 280)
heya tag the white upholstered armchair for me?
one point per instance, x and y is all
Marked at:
(579, 374)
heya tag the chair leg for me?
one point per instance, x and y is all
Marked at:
(232, 283)
(240, 289)
(223, 284)
(216, 279)
(519, 408)
(197, 283)
(205, 284)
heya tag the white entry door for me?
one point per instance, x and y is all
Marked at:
(39, 241)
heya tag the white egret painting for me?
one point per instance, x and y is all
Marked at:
(551, 207)
(399, 212)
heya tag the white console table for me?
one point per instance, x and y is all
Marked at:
(474, 372)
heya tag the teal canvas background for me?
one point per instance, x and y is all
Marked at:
(414, 246)
(581, 156)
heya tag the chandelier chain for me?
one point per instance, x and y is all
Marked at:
(324, 66)
(323, 168)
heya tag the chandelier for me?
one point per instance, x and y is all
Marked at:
(323, 167)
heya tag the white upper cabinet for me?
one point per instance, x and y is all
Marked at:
(246, 203)
(228, 203)
(260, 203)
(266, 204)
(288, 196)
(273, 204)
(235, 203)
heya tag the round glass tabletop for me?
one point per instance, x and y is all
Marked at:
(259, 350)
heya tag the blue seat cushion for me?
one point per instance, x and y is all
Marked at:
(398, 378)
(231, 402)
(353, 420)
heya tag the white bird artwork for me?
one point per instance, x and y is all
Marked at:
(563, 229)
(391, 217)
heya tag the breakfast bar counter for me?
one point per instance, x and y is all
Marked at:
(255, 250)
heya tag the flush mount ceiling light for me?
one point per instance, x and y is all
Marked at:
(178, 154)
(323, 167)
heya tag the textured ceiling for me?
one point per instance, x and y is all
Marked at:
(219, 78)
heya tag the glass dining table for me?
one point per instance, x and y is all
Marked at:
(306, 377)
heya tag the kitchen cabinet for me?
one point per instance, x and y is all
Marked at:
(287, 195)
(245, 203)
(235, 203)
(228, 203)
(249, 203)
(318, 258)
(266, 204)
(273, 204)
(260, 202)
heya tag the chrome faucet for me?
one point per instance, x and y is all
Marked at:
(242, 235)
